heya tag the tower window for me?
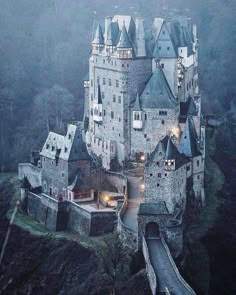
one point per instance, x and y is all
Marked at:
(168, 48)
(162, 65)
(92, 83)
(164, 32)
(104, 113)
(158, 185)
(119, 99)
(159, 175)
(151, 174)
(91, 96)
(163, 122)
(159, 47)
(117, 83)
(198, 163)
(109, 82)
(98, 80)
(103, 95)
(145, 117)
(119, 119)
(104, 81)
(112, 114)
(145, 135)
(114, 98)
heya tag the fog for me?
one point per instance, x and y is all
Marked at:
(44, 51)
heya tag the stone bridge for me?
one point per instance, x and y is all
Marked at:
(163, 275)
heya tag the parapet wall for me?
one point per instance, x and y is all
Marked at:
(150, 271)
(47, 211)
(118, 180)
(57, 216)
(128, 236)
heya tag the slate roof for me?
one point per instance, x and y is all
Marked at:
(124, 40)
(153, 209)
(170, 152)
(137, 106)
(188, 142)
(98, 38)
(157, 93)
(188, 108)
(77, 182)
(113, 34)
(70, 147)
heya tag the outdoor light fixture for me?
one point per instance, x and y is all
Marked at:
(142, 158)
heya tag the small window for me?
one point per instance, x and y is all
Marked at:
(109, 82)
(104, 113)
(104, 81)
(159, 47)
(98, 80)
(92, 83)
(162, 65)
(65, 149)
(119, 99)
(114, 98)
(91, 112)
(103, 95)
(112, 114)
(104, 61)
(158, 163)
(145, 135)
(159, 175)
(188, 168)
(198, 163)
(69, 136)
(164, 32)
(119, 119)
(62, 174)
(168, 48)
(91, 96)
(145, 116)
(47, 146)
(53, 148)
(158, 185)
(117, 83)
(163, 122)
(123, 65)
(151, 174)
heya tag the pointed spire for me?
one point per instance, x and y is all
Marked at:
(99, 95)
(124, 41)
(170, 150)
(98, 39)
(137, 106)
(188, 141)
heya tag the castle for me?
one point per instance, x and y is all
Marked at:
(142, 110)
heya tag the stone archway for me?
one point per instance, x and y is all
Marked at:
(152, 230)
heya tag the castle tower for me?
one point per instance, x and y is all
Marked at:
(140, 38)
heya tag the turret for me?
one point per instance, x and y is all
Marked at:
(140, 38)
(97, 116)
(124, 46)
(137, 114)
(98, 41)
(170, 156)
(111, 39)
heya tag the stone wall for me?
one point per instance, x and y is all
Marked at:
(90, 223)
(155, 128)
(167, 186)
(47, 211)
(170, 229)
(119, 181)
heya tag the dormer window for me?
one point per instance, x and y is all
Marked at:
(65, 149)
(69, 136)
(53, 148)
(47, 146)
(137, 120)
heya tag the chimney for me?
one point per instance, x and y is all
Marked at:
(140, 37)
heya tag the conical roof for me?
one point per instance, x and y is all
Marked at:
(188, 141)
(171, 151)
(137, 106)
(98, 38)
(124, 41)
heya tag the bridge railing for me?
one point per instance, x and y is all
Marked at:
(149, 268)
(128, 235)
(183, 282)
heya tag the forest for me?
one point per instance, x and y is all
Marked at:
(44, 51)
